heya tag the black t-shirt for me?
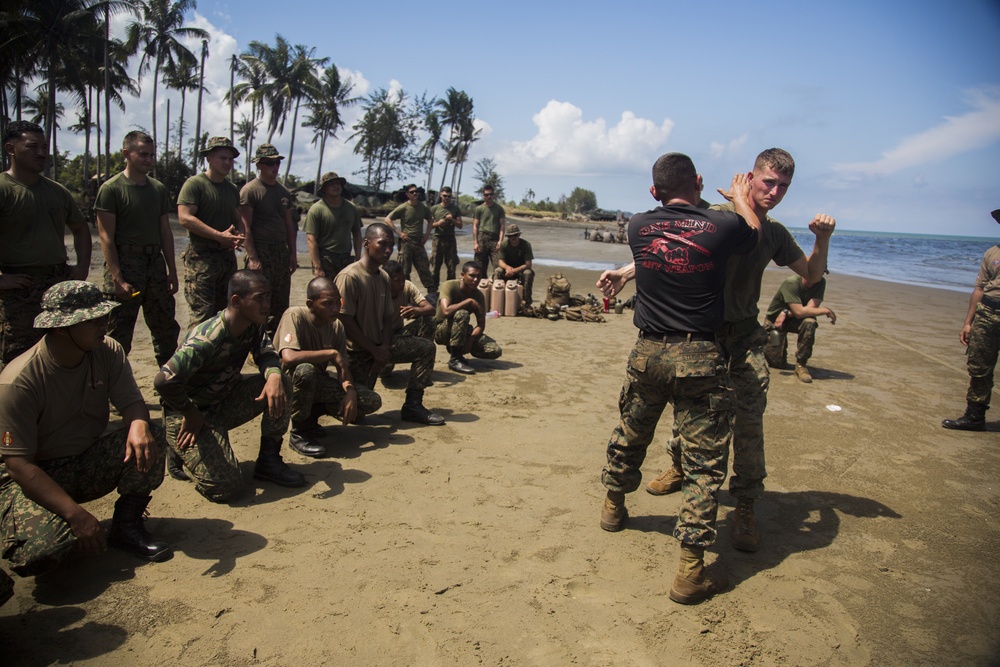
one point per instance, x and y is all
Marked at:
(680, 256)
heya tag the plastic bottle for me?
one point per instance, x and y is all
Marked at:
(493, 314)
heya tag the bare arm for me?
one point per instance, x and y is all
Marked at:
(317, 262)
(812, 309)
(83, 247)
(291, 238)
(503, 231)
(357, 244)
(187, 216)
(422, 309)
(475, 235)
(739, 194)
(812, 268)
(106, 225)
(167, 250)
(977, 296)
(140, 445)
(379, 351)
(613, 282)
(245, 224)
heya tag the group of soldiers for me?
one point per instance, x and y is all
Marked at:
(65, 341)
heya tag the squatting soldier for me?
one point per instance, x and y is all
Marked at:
(680, 254)
(514, 261)
(444, 249)
(133, 219)
(413, 238)
(408, 303)
(208, 206)
(265, 206)
(34, 214)
(204, 395)
(794, 309)
(367, 315)
(489, 225)
(309, 340)
(460, 300)
(333, 228)
(56, 450)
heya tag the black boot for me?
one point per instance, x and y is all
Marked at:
(414, 410)
(974, 419)
(302, 441)
(270, 467)
(175, 466)
(127, 531)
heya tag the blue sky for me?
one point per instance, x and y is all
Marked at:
(891, 110)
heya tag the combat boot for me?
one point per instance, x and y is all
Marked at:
(745, 536)
(302, 441)
(974, 419)
(127, 531)
(666, 482)
(414, 411)
(802, 373)
(693, 583)
(613, 512)
(271, 468)
(175, 466)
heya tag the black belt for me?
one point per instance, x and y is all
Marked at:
(40, 271)
(153, 249)
(676, 336)
(990, 302)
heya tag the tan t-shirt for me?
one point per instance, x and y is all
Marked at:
(408, 296)
(270, 204)
(296, 331)
(367, 299)
(989, 273)
(47, 411)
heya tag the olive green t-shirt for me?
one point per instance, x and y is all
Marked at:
(137, 209)
(793, 291)
(333, 227)
(270, 204)
(515, 257)
(216, 204)
(366, 298)
(489, 217)
(447, 230)
(452, 291)
(33, 221)
(296, 331)
(412, 219)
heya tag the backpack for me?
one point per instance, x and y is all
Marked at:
(558, 291)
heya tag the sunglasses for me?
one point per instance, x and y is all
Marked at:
(411, 192)
(269, 163)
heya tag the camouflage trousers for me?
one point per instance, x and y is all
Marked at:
(206, 280)
(418, 351)
(413, 255)
(691, 376)
(444, 250)
(454, 334)
(420, 326)
(274, 259)
(777, 355)
(36, 539)
(335, 262)
(984, 346)
(19, 308)
(526, 278)
(487, 250)
(211, 462)
(313, 386)
(144, 268)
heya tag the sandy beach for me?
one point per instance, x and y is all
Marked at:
(478, 542)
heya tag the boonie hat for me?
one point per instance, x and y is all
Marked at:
(513, 230)
(329, 177)
(266, 152)
(218, 142)
(996, 215)
(71, 302)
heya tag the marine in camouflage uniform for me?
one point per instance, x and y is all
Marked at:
(454, 329)
(489, 222)
(413, 237)
(444, 249)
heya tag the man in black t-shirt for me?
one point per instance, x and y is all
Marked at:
(680, 254)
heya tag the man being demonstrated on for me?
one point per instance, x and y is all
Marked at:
(57, 452)
(34, 214)
(514, 259)
(333, 228)
(266, 211)
(981, 335)
(794, 309)
(133, 220)
(413, 237)
(368, 317)
(680, 254)
(743, 337)
(310, 339)
(444, 249)
(204, 395)
(208, 206)
(461, 300)
(489, 224)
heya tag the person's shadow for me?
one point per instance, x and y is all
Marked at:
(45, 637)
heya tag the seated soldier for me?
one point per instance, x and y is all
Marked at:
(56, 451)
(309, 339)
(460, 299)
(368, 318)
(514, 259)
(204, 395)
(794, 309)
(409, 304)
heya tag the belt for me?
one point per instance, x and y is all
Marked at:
(153, 249)
(37, 271)
(990, 302)
(676, 336)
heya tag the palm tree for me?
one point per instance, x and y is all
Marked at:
(245, 130)
(201, 89)
(182, 75)
(455, 113)
(332, 96)
(254, 78)
(432, 123)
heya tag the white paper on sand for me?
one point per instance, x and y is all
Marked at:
(833, 408)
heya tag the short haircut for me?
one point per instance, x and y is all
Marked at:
(393, 268)
(472, 264)
(411, 186)
(488, 188)
(18, 127)
(319, 285)
(778, 159)
(134, 138)
(673, 173)
(376, 229)
(446, 190)
(244, 281)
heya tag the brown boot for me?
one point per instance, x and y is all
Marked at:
(802, 373)
(613, 512)
(666, 482)
(692, 583)
(745, 537)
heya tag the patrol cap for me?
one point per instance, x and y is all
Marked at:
(513, 230)
(71, 302)
(218, 142)
(266, 152)
(329, 177)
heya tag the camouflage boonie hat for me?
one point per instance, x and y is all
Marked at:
(218, 142)
(513, 230)
(329, 177)
(266, 152)
(71, 302)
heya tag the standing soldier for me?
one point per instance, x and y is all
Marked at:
(333, 228)
(413, 238)
(208, 206)
(489, 224)
(34, 214)
(133, 219)
(269, 230)
(447, 218)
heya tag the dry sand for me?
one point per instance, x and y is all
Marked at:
(478, 542)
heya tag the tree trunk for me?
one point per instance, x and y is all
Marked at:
(180, 126)
(86, 137)
(156, 82)
(201, 88)
(166, 140)
(232, 84)
(291, 146)
(430, 173)
(98, 118)
(107, 96)
(319, 165)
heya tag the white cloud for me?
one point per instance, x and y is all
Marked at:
(976, 129)
(566, 143)
(719, 150)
